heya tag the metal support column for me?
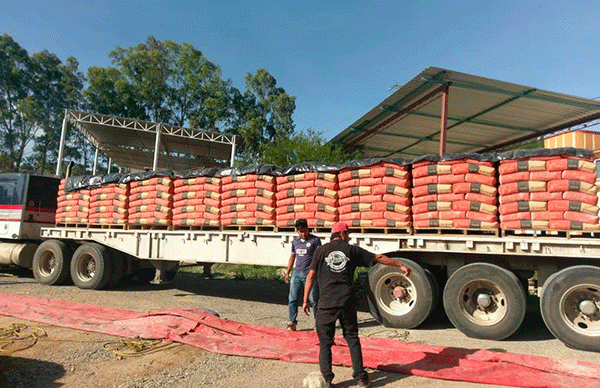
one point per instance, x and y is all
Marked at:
(109, 165)
(232, 152)
(156, 147)
(61, 148)
(95, 161)
(444, 120)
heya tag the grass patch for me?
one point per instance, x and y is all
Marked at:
(241, 271)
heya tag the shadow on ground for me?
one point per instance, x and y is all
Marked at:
(17, 372)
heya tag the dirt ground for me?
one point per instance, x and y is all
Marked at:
(71, 358)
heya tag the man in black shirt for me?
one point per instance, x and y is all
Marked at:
(333, 265)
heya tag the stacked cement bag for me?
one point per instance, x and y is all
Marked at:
(197, 198)
(375, 193)
(108, 201)
(455, 191)
(548, 189)
(73, 201)
(248, 196)
(308, 191)
(150, 198)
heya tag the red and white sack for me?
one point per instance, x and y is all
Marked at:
(309, 195)
(247, 200)
(548, 192)
(459, 193)
(151, 201)
(197, 201)
(72, 207)
(376, 196)
(109, 204)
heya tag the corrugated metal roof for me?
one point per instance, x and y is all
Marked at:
(131, 143)
(483, 114)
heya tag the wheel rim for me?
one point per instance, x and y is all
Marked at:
(580, 309)
(482, 302)
(48, 263)
(396, 294)
(86, 267)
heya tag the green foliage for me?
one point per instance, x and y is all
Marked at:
(301, 147)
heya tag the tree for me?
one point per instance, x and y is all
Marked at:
(17, 104)
(264, 114)
(301, 147)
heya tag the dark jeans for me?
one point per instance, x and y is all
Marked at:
(297, 283)
(326, 319)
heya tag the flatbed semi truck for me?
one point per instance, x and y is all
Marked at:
(481, 278)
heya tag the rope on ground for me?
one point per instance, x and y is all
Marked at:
(138, 347)
(18, 336)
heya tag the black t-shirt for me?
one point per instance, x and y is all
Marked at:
(335, 263)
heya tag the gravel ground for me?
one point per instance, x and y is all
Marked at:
(71, 358)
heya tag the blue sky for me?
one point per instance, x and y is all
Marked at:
(338, 58)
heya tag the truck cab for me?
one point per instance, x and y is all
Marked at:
(27, 203)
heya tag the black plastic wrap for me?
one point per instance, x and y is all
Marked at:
(425, 158)
(360, 163)
(311, 167)
(197, 172)
(486, 157)
(145, 175)
(80, 182)
(102, 180)
(257, 169)
(524, 154)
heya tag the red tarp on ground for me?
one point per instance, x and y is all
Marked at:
(206, 331)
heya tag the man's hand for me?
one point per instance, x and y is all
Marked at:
(405, 269)
(306, 308)
(287, 277)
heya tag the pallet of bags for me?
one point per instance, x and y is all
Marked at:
(73, 201)
(197, 198)
(375, 193)
(248, 196)
(548, 189)
(150, 198)
(456, 191)
(307, 191)
(108, 200)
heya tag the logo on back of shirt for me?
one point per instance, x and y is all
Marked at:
(336, 260)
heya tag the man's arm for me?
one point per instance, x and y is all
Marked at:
(310, 282)
(383, 259)
(289, 267)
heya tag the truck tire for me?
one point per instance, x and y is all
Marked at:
(485, 301)
(51, 262)
(399, 301)
(91, 266)
(570, 306)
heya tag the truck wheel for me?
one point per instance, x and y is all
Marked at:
(91, 266)
(570, 306)
(399, 301)
(51, 262)
(485, 301)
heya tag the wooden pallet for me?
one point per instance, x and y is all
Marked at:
(68, 225)
(403, 231)
(464, 232)
(550, 232)
(197, 228)
(250, 228)
(107, 226)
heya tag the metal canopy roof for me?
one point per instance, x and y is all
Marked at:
(482, 115)
(139, 145)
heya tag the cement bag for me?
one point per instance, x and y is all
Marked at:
(522, 187)
(425, 199)
(476, 197)
(431, 169)
(523, 206)
(426, 216)
(571, 185)
(432, 223)
(473, 206)
(483, 179)
(451, 179)
(547, 216)
(524, 224)
(473, 224)
(571, 164)
(477, 168)
(431, 189)
(514, 177)
(581, 217)
(431, 207)
(581, 197)
(515, 216)
(573, 225)
(516, 197)
(578, 175)
(545, 176)
(196, 222)
(512, 166)
(99, 219)
(469, 187)
(575, 206)
(545, 196)
(479, 216)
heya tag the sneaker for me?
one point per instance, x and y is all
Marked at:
(291, 326)
(364, 383)
(329, 384)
